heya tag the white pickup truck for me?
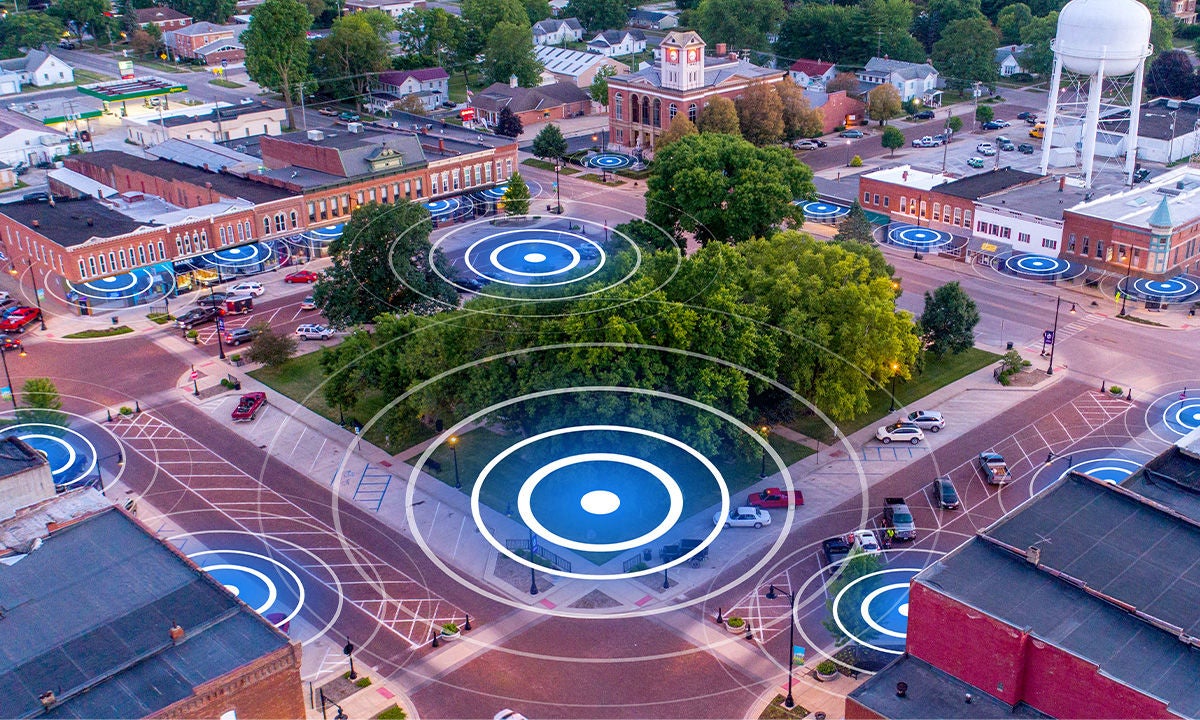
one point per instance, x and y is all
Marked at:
(995, 470)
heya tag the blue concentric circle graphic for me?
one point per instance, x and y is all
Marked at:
(1108, 469)
(610, 161)
(1036, 266)
(1176, 289)
(240, 256)
(1109, 464)
(916, 237)
(1182, 415)
(821, 211)
(325, 234)
(872, 610)
(262, 582)
(448, 206)
(126, 285)
(71, 455)
(495, 193)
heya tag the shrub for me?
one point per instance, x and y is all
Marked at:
(827, 667)
(856, 161)
(193, 334)
(449, 628)
(734, 621)
(1005, 378)
(395, 712)
(236, 357)
(1011, 362)
(1116, 390)
(363, 682)
(126, 410)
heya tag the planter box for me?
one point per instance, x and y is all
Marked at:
(450, 636)
(736, 630)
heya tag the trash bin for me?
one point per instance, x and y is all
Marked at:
(1009, 346)
(115, 319)
(647, 554)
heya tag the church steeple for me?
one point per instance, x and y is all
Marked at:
(682, 61)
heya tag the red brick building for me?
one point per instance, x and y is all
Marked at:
(837, 108)
(545, 103)
(642, 104)
(164, 17)
(1074, 605)
(207, 41)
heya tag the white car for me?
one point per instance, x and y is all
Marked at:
(744, 517)
(308, 303)
(246, 101)
(899, 432)
(926, 419)
(985, 148)
(247, 288)
(310, 331)
(507, 714)
(865, 541)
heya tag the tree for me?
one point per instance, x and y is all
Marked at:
(933, 24)
(597, 15)
(720, 187)
(480, 18)
(431, 33)
(882, 30)
(760, 114)
(855, 566)
(816, 30)
(599, 87)
(1171, 75)
(508, 124)
(85, 14)
(967, 51)
(381, 265)
(215, 11)
(855, 227)
(949, 320)
(984, 113)
(740, 23)
(1011, 21)
(142, 42)
(718, 116)
(349, 58)
(510, 52)
(847, 81)
(28, 30)
(277, 52)
(800, 119)
(549, 143)
(883, 103)
(680, 127)
(412, 105)
(955, 123)
(271, 348)
(1162, 28)
(1038, 58)
(892, 138)
(516, 196)
(645, 234)
(537, 10)
(40, 402)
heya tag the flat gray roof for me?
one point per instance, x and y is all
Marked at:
(932, 694)
(1134, 207)
(1042, 199)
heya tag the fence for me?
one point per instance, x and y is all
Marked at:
(557, 562)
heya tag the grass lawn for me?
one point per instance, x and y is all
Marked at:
(220, 82)
(458, 88)
(938, 374)
(776, 711)
(99, 333)
(82, 77)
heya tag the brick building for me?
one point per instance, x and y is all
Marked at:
(642, 104)
(1078, 604)
(532, 105)
(149, 634)
(164, 17)
(207, 41)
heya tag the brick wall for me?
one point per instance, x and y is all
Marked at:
(269, 687)
(278, 153)
(837, 107)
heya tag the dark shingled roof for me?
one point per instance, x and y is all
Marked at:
(87, 616)
(66, 223)
(230, 186)
(17, 457)
(932, 694)
(986, 183)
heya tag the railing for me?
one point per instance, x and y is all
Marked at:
(557, 562)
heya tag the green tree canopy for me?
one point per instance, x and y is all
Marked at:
(516, 196)
(949, 320)
(599, 87)
(760, 114)
(740, 23)
(431, 33)
(855, 566)
(537, 10)
(214, 11)
(720, 187)
(883, 103)
(855, 227)
(28, 30)
(509, 52)
(967, 51)
(89, 13)
(892, 138)
(1012, 20)
(349, 58)
(277, 51)
(932, 24)
(271, 348)
(480, 18)
(597, 15)
(549, 143)
(882, 30)
(718, 116)
(984, 113)
(1038, 58)
(679, 127)
(381, 265)
(814, 30)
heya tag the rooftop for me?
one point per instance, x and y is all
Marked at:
(717, 70)
(909, 176)
(206, 28)
(70, 222)
(906, 70)
(88, 613)
(228, 185)
(17, 457)
(1173, 478)
(158, 14)
(1043, 199)
(572, 63)
(987, 183)
(1135, 206)
(397, 77)
(932, 693)
(812, 68)
(518, 99)
(228, 112)
(201, 154)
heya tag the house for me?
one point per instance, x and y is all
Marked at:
(574, 66)
(395, 8)
(207, 41)
(164, 17)
(1008, 59)
(652, 20)
(39, 68)
(25, 140)
(553, 31)
(532, 105)
(1183, 11)
(836, 108)
(915, 81)
(430, 85)
(208, 123)
(612, 43)
(10, 82)
(812, 74)
(8, 178)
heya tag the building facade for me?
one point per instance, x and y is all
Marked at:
(555, 31)
(395, 8)
(40, 69)
(914, 81)
(812, 74)
(532, 105)
(215, 125)
(431, 86)
(612, 43)
(164, 17)
(573, 66)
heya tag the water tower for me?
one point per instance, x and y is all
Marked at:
(1100, 49)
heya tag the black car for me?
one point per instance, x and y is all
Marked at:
(835, 550)
(945, 494)
(215, 300)
(1025, 148)
(1026, 115)
(924, 115)
(196, 316)
(1141, 175)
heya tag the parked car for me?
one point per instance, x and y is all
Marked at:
(926, 419)
(237, 336)
(449, 104)
(743, 517)
(924, 115)
(248, 407)
(1025, 149)
(1141, 175)
(985, 148)
(18, 319)
(1005, 144)
(246, 101)
(1026, 115)
(216, 299)
(308, 303)
(310, 331)
(65, 44)
(945, 494)
(902, 432)
(835, 550)
(898, 519)
(865, 541)
(1032, 120)
(851, 134)
(247, 288)
(995, 469)
(942, 139)
(923, 142)
(348, 116)
(8, 342)
(776, 498)
(328, 111)
(302, 276)
(805, 144)
(995, 125)
(196, 316)
(238, 305)
(975, 162)
(39, 196)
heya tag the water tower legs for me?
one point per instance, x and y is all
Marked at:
(1051, 113)
(1091, 121)
(1135, 114)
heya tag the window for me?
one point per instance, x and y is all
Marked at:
(383, 193)
(141, 254)
(672, 111)
(1099, 248)
(924, 209)
(1071, 243)
(886, 200)
(324, 214)
(221, 234)
(445, 181)
(82, 270)
(692, 112)
(1048, 243)
(371, 194)
(204, 239)
(657, 117)
(408, 187)
(876, 198)
(966, 218)
(266, 226)
(457, 186)
(619, 105)
(867, 197)
(420, 192)
(162, 252)
(280, 224)
(103, 267)
(294, 219)
(360, 197)
(903, 204)
(312, 212)
(983, 227)
(92, 265)
(124, 264)
(937, 211)
(1084, 248)
(112, 260)
(1024, 237)
(958, 218)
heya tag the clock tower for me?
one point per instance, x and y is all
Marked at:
(682, 61)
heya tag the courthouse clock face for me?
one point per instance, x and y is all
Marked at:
(672, 55)
(693, 55)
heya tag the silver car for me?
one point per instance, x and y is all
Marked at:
(931, 420)
(743, 517)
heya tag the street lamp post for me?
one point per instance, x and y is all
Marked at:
(847, 153)
(533, 588)
(1125, 284)
(37, 298)
(220, 345)
(892, 404)
(788, 702)
(120, 456)
(454, 449)
(557, 188)
(762, 466)
(12, 391)
(348, 651)
(946, 138)
(1054, 333)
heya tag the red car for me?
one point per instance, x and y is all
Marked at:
(302, 276)
(776, 498)
(18, 318)
(249, 406)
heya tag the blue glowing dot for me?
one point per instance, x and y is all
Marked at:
(600, 502)
(535, 258)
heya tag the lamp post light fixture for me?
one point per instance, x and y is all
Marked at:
(557, 188)
(1125, 284)
(895, 369)
(1054, 332)
(119, 455)
(765, 431)
(847, 153)
(220, 345)
(533, 588)
(4, 351)
(454, 449)
(348, 651)
(1051, 456)
(788, 702)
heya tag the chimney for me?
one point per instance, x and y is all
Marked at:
(48, 699)
(36, 223)
(512, 81)
(1062, 183)
(722, 48)
(90, 222)
(176, 632)
(441, 145)
(901, 689)
(1034, 555)
(733, 55)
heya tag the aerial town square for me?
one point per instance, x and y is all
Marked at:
(517, 360)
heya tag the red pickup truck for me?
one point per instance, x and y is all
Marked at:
(776, 498)
(18, 319)
(249, 406)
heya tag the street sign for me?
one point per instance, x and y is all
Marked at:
(220, 324)
(467, 114)
(1048, 337)
(5, 392)
(797, 655)
(125, 68)
(194, 376)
